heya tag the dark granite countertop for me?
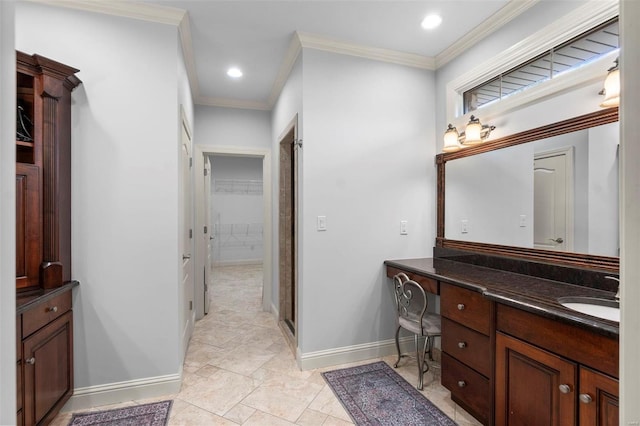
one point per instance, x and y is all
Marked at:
(26, 301)
(536, 295)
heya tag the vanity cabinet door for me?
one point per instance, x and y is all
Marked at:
(598, 399)
(48, 369)
(533, 386)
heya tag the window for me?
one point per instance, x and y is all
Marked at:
(569, 55)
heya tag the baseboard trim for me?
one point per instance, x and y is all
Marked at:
(355, 353)
(237, 262)
(114, 393)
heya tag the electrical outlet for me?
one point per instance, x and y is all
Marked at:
(464, 226)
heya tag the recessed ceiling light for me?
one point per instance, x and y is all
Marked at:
(431, 21)
(234, 72)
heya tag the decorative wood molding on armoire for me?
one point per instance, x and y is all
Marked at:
(44, 323)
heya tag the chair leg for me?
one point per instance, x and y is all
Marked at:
(397, 347)
(428, 343)
(420, 360)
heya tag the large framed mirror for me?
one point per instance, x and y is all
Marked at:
(548, 194)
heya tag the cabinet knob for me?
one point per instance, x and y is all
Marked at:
(462, 345)
(52, 309)
(564, 388)
(461, 306)
(585, 398)
(462, 383)
(31, 361)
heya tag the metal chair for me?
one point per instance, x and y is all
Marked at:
(412, 304)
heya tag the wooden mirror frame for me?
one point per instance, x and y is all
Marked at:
(580, 260)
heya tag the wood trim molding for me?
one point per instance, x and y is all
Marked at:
(580, 260)
(597, 118)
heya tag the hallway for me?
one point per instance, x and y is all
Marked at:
(239, 369)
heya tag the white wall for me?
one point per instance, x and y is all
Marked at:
(232, 127)
(491, 191)
(367, 164)
(7, 217)
(125, 168)
(603, 183)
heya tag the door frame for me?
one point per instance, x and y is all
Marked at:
(267, 286)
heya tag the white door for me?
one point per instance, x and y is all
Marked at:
(552, 195)
(187, 240)
(208, 234)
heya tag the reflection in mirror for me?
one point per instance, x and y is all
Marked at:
(559, 193)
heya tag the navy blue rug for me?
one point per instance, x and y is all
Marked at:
(374, 394)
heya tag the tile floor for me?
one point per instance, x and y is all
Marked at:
(239, 370)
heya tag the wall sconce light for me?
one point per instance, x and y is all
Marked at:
(474, 133)
(611, 89)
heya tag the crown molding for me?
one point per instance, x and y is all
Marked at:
(312, 41)
(493, 23)
(232, 103)
(144, 12)
(295, 47)
(184, 29)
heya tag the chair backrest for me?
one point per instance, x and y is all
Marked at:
(411, 299)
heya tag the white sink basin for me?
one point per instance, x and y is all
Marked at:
(601, 308)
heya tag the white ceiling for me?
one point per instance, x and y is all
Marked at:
(260, 36)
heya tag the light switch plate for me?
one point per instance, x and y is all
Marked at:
(403, 227)
(523, 221)
(322, 223)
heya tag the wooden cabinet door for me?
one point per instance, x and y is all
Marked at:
(28, 225)
(598, 399)
(48, 369)
(533, 386)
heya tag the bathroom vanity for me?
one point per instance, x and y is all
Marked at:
(511, 351)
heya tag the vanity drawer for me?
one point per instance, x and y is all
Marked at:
(467, 307)
(429, 284)
(45, 312)
(467, 346)
(468, 388)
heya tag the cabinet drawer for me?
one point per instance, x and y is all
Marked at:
(468, 388)
(429, 284)
(468, 346)
(467, 307)
(45, 312)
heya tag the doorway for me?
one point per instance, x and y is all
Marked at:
(288, 234)
(203, 199)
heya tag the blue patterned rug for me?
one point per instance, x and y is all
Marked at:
(154, 414)
(374, 394)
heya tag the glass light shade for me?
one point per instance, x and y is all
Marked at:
(611, 89)
(451, 143)
(472, 133)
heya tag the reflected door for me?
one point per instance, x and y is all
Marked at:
(551, 193)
